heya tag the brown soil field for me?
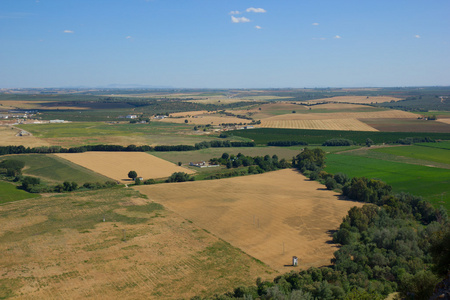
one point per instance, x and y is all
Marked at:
(116, 165)
(331, 124)
(407, 125)
(8, 136)
(445, 120)
(357, 99)
(271, 216)
(206, 119)
(59, 247)
(386, 114)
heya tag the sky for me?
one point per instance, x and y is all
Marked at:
(224, 43)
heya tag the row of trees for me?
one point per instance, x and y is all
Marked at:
(256, 164)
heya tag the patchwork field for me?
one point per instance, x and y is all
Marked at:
(271, 216)
(116, 165)
(333, 121)
(9, 136)
(206, 119)
(330, 124)
(53, 169)
(59, 247)
(357, 99)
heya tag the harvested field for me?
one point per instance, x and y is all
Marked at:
(445, 121)
(261, 213)
(58, 247)
(357, 99)
(332, 124)
(189, 113)
(333, 121)
(407, 125)
(116, 165)
(9, 137)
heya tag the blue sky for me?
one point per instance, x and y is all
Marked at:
(224, 43)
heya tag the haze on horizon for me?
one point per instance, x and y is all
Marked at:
(224, 44)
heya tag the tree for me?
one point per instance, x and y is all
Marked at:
(132, 175)
(369, 142)
(186, 121)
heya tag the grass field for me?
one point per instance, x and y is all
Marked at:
(10, 192)
(265, 135)
(59, 247)
(84, 133)
(116, 165)
(430, 183)
(420, 152)
(442, 145)
(262, 214)
(52, 169)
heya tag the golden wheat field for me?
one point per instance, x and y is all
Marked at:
(331, 124)
(116, 165)
(271, 216)
(59, 247)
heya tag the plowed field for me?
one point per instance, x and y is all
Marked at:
(271, 216)
(333, 124)
(116, 165)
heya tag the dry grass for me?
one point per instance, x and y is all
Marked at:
(357, 99)
(116, 165)
(60, 248)
(330, 124)
(8, 137)
(445, 121)
(260, 213)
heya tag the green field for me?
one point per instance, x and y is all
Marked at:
(265, 135)
(51, 169)
(430, 183)
(94, 129)
(441, 145)
(9, 192)
(419, 152)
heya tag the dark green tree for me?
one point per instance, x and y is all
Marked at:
(132, 175)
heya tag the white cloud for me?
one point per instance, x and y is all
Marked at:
(129, 37)
(315, 24)
(337, 37)
(68, 31)
(239, 20)
(417, 36)
(255, 10)
(258, 27)
(235, 12)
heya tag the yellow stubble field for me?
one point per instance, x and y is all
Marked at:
(271, 216)
(357, 99)
(116, 165)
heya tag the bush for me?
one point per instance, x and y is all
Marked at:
(150, 181)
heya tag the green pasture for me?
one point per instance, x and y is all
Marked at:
(442, 145)
(433, 154)
(51, 169)
(93, 129)
(430, 183)
(9, 192)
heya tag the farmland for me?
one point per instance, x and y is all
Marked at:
(52, 169)
(260, 213)
(11, 193)
(429, 182)
(59, 247)
(265, 135)
(420, 152)
(116, 165)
